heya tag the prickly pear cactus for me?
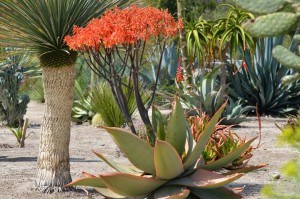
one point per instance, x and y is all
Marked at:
(275, 22)
(12, 107)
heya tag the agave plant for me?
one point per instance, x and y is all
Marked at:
(168, 68)
(173, 167)
(208, 98)
(235, 112)
(207, 95)
(260, 83)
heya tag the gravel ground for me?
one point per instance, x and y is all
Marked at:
(18, 165)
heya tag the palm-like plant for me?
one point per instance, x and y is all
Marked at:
(40, 26)
(224, 34)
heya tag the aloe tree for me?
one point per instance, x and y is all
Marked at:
(222, 35)
(40, 26)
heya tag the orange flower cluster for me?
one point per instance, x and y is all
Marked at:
(126, 26)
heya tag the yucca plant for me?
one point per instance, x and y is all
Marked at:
(260, 83)
(171, 168)
(40, 26)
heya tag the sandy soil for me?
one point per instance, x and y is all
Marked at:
(18, 165)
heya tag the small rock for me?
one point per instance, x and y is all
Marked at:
(276, 176)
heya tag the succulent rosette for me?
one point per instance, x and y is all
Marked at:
(172, 168)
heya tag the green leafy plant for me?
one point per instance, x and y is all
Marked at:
(166, 74)
(127, 45)
(167, 169)
(207, 98)
(36, 92)
(221, 142)
(235, 112)
(20, 133)
(211, 40)
(82, 110)
(104, 104)
(12, 106)
(97, 120)
(260, 82)
(207, 95)
(274, 21)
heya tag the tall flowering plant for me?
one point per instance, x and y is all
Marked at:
(123, 35)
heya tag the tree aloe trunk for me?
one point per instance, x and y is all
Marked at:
(183, 49)
(53, 160)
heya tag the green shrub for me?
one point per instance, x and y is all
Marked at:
(12, 106)
(260, 82)
(36, 92)
(103, 102)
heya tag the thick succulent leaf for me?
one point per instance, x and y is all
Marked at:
(190, 142)
(224, 161)
(119, 167)
(218, 193)
(171, 192)
(246, 169)
(205, 179)
(286, 57)
(167, 162)
(108, 193)
(88, 175)
(176, 134)
(88, 181)
(261, 6)
(272, 24)
(196, 153)
(131, 185)
(158, 122)
(139, 152)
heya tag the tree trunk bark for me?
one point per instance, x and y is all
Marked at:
(186, 65)
(53, 161)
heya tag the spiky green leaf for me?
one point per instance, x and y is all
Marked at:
(224, 161)
(88, 181)
(176, 134)
(158, 122)
(168, 163)
(139, 152)
(119, 167)
(205, 179)
(196, 153)
(108, 193)
(130, 185)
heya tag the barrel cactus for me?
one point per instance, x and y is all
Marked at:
(172, 168)
(12, 107)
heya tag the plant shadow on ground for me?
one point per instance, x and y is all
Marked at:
(34, 159)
